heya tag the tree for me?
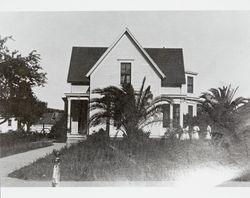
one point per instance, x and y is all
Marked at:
(18, 75)
(221, 104)
(28, 108)
(126, 109)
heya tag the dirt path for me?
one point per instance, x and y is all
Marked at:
(13, 162)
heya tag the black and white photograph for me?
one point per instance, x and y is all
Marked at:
(125, 98)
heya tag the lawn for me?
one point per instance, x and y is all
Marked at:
(18, 142)
(154, 160)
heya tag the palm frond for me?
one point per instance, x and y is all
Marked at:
(141, 92)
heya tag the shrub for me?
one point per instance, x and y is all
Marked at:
(171, 132)
(15, 137)
(21, 141)
(97, 136)
(59, 130)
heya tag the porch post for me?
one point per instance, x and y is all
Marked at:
(181, 113)
(69, 113)
(195, 110)
(171, 115)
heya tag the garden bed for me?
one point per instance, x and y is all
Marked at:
(160, 160)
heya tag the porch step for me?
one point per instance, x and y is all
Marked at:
(75, 138)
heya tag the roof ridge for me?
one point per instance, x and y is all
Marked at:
(88, 47)
(162, 48)
(143, 47)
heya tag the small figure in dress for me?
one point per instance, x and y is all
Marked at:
(195, 133)
(185, 134)
(56, 172)
(208, 134)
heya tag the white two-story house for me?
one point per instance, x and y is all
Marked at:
(99, 67)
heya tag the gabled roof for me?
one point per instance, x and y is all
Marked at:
(144, 53)
(50, 118)
(170, 61)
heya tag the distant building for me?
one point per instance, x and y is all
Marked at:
(47, 121)
(127, 61)
(9, 125)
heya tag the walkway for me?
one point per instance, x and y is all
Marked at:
(13, 162)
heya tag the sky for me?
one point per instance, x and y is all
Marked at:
(216, 44)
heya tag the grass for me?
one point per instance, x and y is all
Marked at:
(154, 160)
(18, 142)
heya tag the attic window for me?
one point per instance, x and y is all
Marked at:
(125, 73)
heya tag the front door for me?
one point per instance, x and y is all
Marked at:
(79, 115)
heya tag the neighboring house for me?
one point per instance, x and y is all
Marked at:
(9, 125)
(126, 60)
(46, 122)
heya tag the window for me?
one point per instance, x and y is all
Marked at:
(176, 115)
(190, 84)
(166, 115)
(54, 116)
(9, 122)
(190, 110)
(125, 73)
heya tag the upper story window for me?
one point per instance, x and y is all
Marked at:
(190, 84)
(125, 73)
(9, 122)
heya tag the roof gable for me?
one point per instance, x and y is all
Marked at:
(127, 32)
(169, 61)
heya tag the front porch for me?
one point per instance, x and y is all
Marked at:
(76, 106)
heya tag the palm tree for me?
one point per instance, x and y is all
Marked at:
(221, 104)
(127, 110)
